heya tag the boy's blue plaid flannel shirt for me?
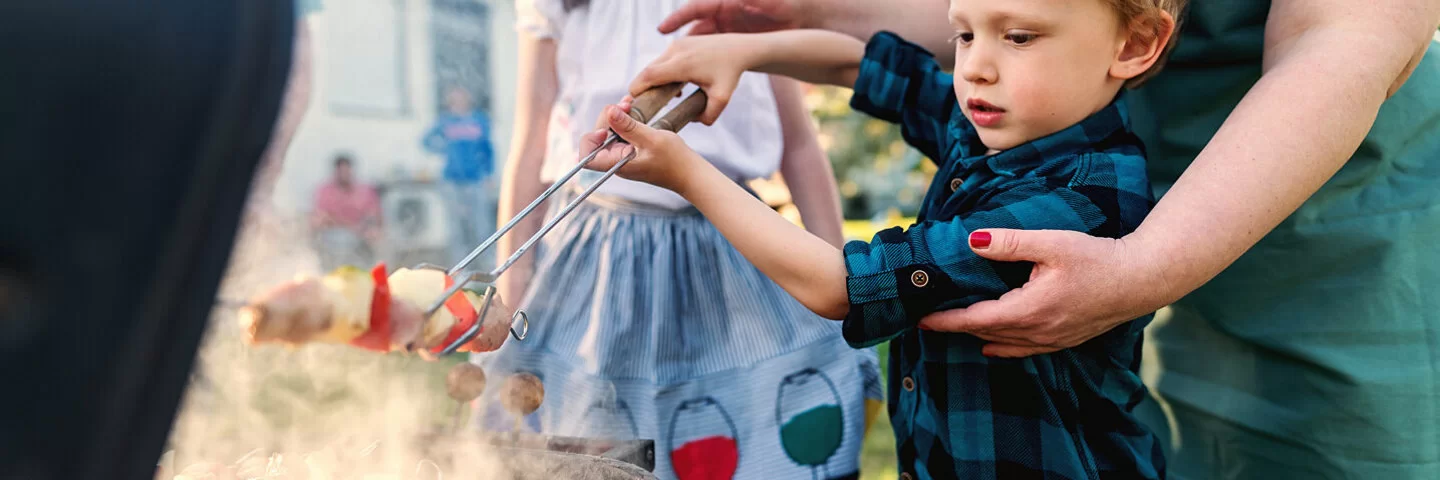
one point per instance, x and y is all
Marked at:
(956, 413)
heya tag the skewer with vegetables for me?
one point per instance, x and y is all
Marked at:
(374, 311)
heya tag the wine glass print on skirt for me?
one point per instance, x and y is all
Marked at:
(810, 419)
(703, 441)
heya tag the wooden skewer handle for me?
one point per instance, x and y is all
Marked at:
(683, 114)
(649, 103)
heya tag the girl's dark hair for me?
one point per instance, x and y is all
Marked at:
(574, 4)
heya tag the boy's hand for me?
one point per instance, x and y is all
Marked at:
(661, 158)
(713, 62)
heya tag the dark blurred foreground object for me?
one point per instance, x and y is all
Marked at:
(129, 133)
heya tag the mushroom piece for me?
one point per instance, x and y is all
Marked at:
(465, 382)
(522, 393)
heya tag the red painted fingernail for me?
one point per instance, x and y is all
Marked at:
(980, 239)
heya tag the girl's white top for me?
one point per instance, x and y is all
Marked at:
(600, 50)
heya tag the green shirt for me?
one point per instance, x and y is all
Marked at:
(1325, 337)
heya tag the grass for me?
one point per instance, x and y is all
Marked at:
(877, 454)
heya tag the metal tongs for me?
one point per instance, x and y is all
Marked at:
(642, 109)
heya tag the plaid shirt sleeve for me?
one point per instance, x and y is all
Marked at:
(900, 82)
(903, 275)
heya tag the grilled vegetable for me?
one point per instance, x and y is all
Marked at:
(522, 394)
(371, 310)
(465, 382)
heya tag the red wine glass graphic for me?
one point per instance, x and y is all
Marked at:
(708, 449)
(812, 424)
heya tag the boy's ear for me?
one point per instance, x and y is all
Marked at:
(1144, 43)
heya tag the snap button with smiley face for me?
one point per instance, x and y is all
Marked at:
(920, 278)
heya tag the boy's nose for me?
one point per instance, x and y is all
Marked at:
(975, 65)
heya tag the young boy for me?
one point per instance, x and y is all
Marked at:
(1031, 131)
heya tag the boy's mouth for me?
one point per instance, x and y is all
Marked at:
(977, 105)
(983, 113)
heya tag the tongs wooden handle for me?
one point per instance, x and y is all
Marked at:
(687, 111)
(648, 103)
(642, 109)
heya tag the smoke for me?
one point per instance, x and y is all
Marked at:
(320, 411)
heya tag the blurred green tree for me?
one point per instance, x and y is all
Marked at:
(880, 177)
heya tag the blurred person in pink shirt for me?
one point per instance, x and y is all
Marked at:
(346, 219)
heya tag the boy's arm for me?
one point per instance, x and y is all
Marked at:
(811, 56)
(716, 62)
(806, 266)
(893, 79)
(900, 82)
(904, 274)
(882, 288)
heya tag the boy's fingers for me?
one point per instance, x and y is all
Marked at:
(627, 128)
(590, 141)
(608, 157)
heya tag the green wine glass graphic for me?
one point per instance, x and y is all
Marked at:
(811, 421)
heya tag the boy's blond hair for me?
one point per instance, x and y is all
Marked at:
(1144, 16)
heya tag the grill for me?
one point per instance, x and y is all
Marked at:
(504, 456)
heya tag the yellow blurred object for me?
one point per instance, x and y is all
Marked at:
(864, 230)
(873, 409)
(775, 193)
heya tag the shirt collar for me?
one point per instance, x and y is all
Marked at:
(1076, 138)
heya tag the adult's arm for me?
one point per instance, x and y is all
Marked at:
(923, 22)
(1279, 145)
(805, 166)
(536, 86)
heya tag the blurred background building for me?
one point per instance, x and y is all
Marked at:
(382, 69)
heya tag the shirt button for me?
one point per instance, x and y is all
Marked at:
(906, 476)
(908, 383)
(955, 184)
(920, 278)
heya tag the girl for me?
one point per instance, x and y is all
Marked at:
(648, 324)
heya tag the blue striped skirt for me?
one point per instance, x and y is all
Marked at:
(647, 323)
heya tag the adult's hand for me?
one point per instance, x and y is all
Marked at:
(736, 16)
(1081, 286)
(924, 22)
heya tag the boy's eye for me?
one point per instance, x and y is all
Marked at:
(1020, 38)
(962, 37)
